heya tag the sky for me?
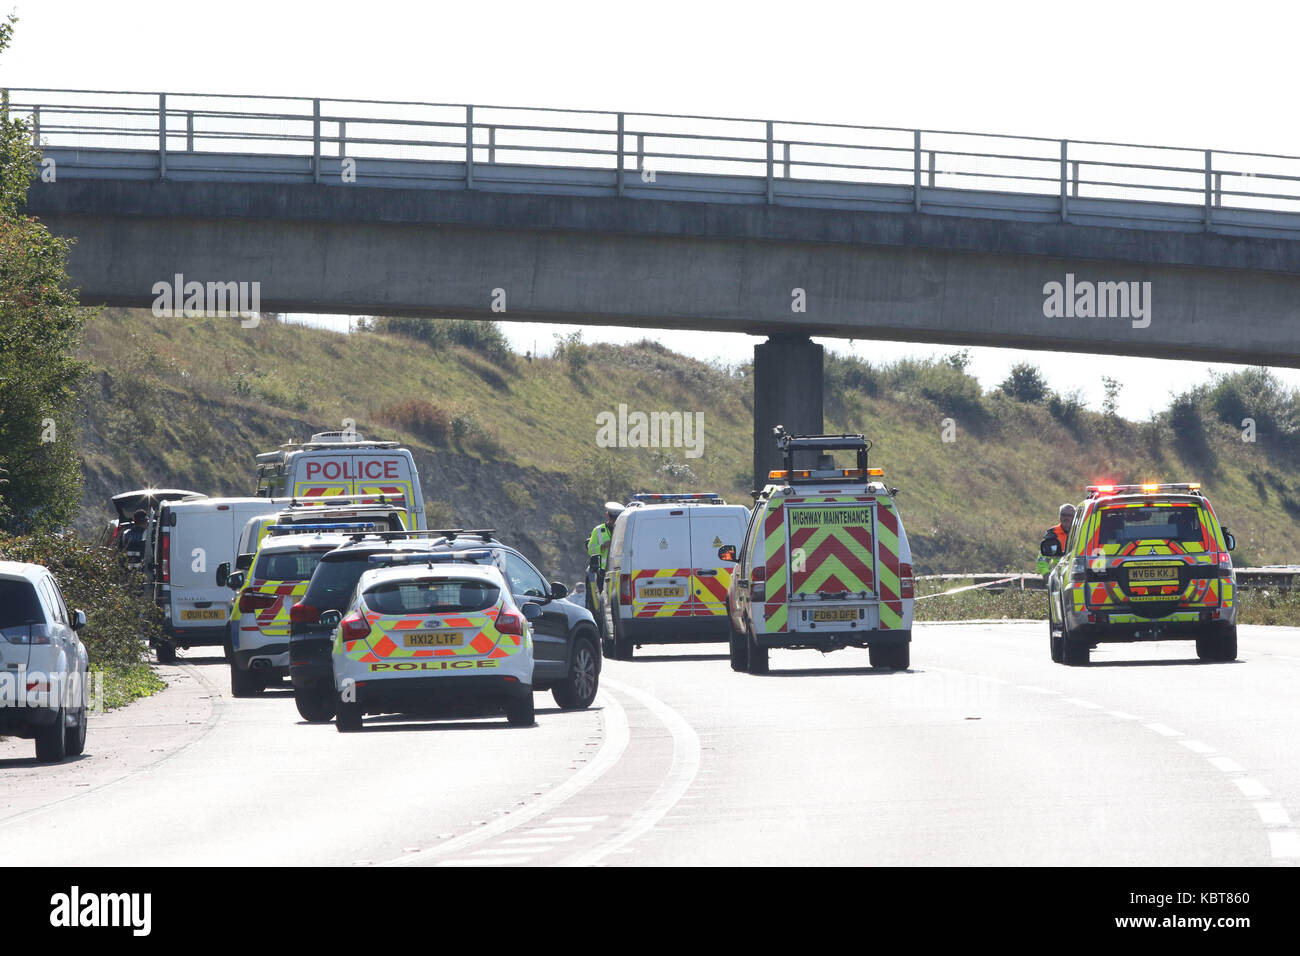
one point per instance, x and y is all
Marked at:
(1178, 74)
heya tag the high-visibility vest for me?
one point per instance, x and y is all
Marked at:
(598, 544)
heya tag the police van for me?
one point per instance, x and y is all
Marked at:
(194, 538)
(824, 562)
(665, 583)
(342, 463)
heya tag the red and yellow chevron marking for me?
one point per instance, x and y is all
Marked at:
(273, 621)
(775, 618)
(891, 604)
(710, 593)
(482, 639)
(663, 607)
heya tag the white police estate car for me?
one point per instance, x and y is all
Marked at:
(430, 632)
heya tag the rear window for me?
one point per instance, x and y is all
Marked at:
(18, 604)
(1120, 526)
(334, 581)
(431, 596)
(287, 565)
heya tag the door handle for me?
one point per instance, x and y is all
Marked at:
(706, 572)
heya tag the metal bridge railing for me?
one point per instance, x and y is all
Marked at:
(718, 158)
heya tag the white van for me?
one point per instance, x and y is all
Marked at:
(343, 463)
(195, 537)
(665, 583)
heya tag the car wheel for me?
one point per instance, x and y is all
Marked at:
(623, 650)
(75, 737)
(519, 713)
(894, 657)
(1074, 652)
(315, 703)
(1219, 647)
(578, 689)
(756, 653)
(1053, 643)
(739, 647)
(243, 683)
(52, 741)
(166, 653)
(349, 718)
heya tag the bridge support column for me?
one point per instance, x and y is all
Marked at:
(788, 379)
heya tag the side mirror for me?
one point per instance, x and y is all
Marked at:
(532, 611)
(331, 618)
(235, 581)
(727, 553)
(223, 572)
(244, 561)
(78, 619)
(1050, 548)
(559, 590)
(1229, 540)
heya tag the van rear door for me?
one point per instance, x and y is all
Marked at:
(712, 526)
(201, 539)
(660, 564)
(326, 473)
(833, 547)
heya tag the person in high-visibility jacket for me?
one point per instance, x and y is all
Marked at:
(598, 550)
(1060, 532)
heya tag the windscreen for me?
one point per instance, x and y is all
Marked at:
(18, 604)
(1121, 526)
(432, 596)
(287, 565)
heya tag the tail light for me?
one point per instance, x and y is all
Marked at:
(906, 587)
(355, 627)
(304, 614)
(511, 622)
(250, 601)
(624, 589)
(758, 582)
(165, 557)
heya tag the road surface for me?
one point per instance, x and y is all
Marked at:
(983, 753)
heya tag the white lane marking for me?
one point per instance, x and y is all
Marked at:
(1163, 729)
(1036, 689)
(1284, 844)
(561, 821)
(615, 742)
(538, 831)
(686, 761)
(540, 842)
(1226, 764)
(1080, 702)
(1197, 746)
(486, 861)
(1273, 814)
(1251, 787)
(1122, 715)
(495, 852)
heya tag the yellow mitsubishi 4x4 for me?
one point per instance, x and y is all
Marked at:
(1143, 562)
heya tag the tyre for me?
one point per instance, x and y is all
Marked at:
(623, 650)
(75, 737)
(739, 646)
(243, 683)
(166, 653)
(757, 654)
(349, 718)
(1074, 652)
(894, 657)
(1219, 647)
(519, 713)
(1054, 643)
(578, 689)
(52, 741)
(316, 704)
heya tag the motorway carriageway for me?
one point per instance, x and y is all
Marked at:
(983, 753)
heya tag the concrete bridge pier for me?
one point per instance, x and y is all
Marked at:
(788, 380)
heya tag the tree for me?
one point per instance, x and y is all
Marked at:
(40, 327)
(1025, 383)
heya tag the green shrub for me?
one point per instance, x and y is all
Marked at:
(477, 335)
(419, 417)
(1025, 383)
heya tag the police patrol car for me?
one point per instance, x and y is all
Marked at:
(665, 583)
(258, 635)
(824, 563)
(432, 631)
(1144, 562)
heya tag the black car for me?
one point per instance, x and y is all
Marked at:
(566, 648)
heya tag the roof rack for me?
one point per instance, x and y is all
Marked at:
(430, 557)
(789, 444)
(367, 498)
